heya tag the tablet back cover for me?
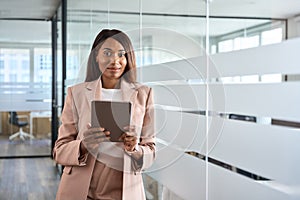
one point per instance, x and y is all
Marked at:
(111, 115)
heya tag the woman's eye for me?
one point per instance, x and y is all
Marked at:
(107, 53)
(121, 54)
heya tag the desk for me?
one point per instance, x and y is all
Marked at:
(43, 114)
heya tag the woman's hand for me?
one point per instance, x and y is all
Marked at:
(92, 138)
(130, 141)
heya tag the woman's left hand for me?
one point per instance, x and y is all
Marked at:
(129, 138)
(130, 142)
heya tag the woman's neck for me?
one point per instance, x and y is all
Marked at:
(110, 83)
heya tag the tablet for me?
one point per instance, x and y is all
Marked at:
(111, 115)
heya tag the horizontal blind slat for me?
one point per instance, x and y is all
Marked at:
(224, 185)
(268, 151)
(183, 130)
(276, 100)
(183, 175)
(180, 95)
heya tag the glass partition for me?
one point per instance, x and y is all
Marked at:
(231, 34)
(191, 54)
(85, 20)
(25, 89)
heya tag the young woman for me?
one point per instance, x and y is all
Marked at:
(95, 167)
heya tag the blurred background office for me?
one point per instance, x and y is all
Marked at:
(226, 80)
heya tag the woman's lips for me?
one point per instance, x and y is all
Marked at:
(114, 69)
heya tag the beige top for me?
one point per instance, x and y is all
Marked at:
(107, 177)
(106, 183)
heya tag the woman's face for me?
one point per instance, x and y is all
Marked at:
(111, 59)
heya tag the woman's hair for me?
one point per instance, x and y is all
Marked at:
(93, 72)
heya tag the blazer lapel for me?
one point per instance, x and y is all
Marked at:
(129, 91)
(93, 91)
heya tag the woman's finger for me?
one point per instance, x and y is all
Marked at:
(130, 128)
(129, 138)
(107, 133)
(91, 131)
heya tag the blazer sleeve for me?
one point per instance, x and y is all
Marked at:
(147, 139)
(66, 150)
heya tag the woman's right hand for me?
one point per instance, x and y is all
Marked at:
(92, 138)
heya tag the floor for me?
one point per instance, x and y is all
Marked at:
(38, 179)
(25, 178)
(28, 179)
(27, 172)
(19, 148)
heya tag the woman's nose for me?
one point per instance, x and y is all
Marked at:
(115, 58)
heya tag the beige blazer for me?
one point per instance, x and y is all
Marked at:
(76, 115)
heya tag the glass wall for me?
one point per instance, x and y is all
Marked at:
(197, 57)
(25, 89)
(85, 20)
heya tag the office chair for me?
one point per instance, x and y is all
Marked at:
(14, 119)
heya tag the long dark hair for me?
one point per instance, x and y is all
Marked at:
(93, 72)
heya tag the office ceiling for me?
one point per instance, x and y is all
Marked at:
(44, 9)
(37, 13)
(29, 9)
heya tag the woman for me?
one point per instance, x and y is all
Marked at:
(96, 168)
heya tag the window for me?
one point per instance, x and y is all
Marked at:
(213, 49)
(42, 65)
(13, 65)
(12, 61)
(25, 78)
(245, 42)
(225, 46)
(25, 65)
(271, 36)
(249, 38)
(13, 78)
(1, 64)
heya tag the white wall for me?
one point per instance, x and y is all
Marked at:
(294, 27)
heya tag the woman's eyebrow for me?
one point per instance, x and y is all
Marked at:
(111, 49)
